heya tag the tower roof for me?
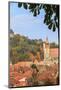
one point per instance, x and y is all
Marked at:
(46, 39)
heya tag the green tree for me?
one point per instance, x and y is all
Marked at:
(51, 18)
(53, 45)
(15, 40)
(13, 55)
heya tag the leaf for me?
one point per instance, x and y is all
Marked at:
(19, 5)
(31, 6)
(25, 5)
(54, 27)
(57, 24)
(40, 7)
(50, 26)
(38, 12)
(32, 10)
(35, 13)
(45, 18)
(55, 18)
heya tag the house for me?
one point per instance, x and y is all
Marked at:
(54, 52)
(11, 33)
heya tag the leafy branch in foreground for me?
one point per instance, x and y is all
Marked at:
(51, 18)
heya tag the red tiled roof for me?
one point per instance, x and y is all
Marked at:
(54, 52)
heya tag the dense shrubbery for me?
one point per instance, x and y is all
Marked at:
(23, 56)
(21, 46)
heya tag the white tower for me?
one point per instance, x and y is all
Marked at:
(46, 49)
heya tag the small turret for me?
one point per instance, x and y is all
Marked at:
(46, 49)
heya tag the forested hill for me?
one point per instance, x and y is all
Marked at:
(21, 46)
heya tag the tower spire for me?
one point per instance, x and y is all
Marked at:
(46, 39)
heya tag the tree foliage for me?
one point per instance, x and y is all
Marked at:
(51, 18)
(53, 45)
(13, 55)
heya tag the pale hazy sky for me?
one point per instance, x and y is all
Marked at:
(24, 23)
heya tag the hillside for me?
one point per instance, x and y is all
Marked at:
(22, 48)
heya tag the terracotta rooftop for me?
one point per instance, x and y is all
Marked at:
(54, 52)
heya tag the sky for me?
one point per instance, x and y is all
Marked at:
(24, 23)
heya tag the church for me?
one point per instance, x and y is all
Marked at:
(49, 52)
